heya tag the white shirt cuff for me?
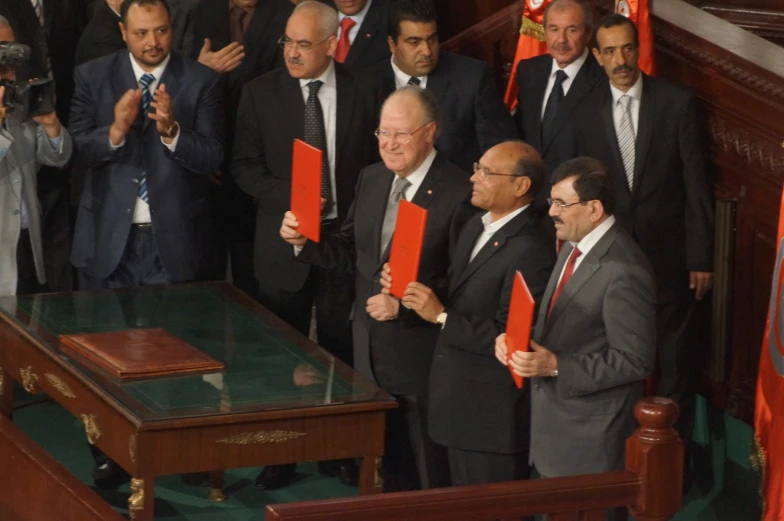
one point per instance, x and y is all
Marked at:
(115, 147)
(297, 250)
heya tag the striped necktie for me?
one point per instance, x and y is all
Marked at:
(413, 80)
(626, 139)
(145, 81)
(39, 10)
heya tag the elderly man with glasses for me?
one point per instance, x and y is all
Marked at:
(316, 100)
(474, 408)
(392, 344)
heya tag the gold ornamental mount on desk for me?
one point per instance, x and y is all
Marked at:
(136, 501)
(61, 386)
(248, 438)
(91, 428)
(29, 380)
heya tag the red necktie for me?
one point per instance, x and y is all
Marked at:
(344, 43)
(567, 274)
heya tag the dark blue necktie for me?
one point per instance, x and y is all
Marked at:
(145, 81)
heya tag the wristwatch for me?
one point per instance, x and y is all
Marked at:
(171, 132)
(441, 319)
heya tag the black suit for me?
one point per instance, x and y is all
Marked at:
(473, 115)
(669, 211)
(532, 77)
(102, 35)
(370, 45)
(474, 405)
(270, 117)
(211, 19)
(397, 354)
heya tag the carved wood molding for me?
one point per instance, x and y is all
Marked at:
(753, 150)
(492, 28)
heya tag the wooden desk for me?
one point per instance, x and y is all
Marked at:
(281, 399)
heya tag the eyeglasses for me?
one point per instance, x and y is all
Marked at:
(562, 206)
(485, 173)
(284, 42)
(400, 137)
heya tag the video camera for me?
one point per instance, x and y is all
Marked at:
(31, 97)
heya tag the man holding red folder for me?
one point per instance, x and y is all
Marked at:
(474, 407)
(392, 345)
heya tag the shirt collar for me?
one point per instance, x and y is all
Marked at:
(417, 176)
(359, 17)
(635, 91)
(157, 72)
(492, 227)
(401, 78)
(573, 68)
(328, 77)
(590, 240)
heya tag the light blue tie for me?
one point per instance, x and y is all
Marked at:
(145, 81)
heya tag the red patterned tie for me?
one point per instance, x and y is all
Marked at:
(567, 274)
(344, 43)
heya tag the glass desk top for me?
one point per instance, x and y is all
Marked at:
(268, 365)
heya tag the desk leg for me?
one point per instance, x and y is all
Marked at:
(141, 504)
(6, 393)
(216, 487)
(369, 477)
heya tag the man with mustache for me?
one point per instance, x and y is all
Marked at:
(646, 130)
(474, 117)
(474, 408)
(551, 86)
(147, 124)
(317, 100)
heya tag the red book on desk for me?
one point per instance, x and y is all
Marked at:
(406, 246)
(306, 189)
(518, 322)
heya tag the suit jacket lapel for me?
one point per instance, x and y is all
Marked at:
(291, 98)
(379, 200)
(581, 85)
(367, 31)
(644, 131)
(536, 100)
(171, 78)
(606, 109)
(463, 249)
(345, 108)
(566, 250)
(124, 79)
(438, 80)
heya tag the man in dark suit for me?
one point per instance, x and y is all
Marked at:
(362, 37)
(102, 35)
(273, 111)
(552, 85)
(646, 130)
(394, 346)
(474, 408)
(473, 115)
(244, 35)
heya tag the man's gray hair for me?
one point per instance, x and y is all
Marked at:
(427, 101)
(326, 15)
(558, 5)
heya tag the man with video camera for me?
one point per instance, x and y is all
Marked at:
(28, 139)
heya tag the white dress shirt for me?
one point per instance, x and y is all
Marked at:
(571, 71)
(401, 78)
(328, 96)
(141, 211)
(358, 18)
(634, 107)
(491, 227)
(588, 242)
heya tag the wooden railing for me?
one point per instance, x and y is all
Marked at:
(650, 487)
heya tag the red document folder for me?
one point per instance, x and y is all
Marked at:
(306, 189)
(406, 246)
(518, 322)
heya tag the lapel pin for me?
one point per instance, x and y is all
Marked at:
(367, 35)
(430, 192)
(495, 244)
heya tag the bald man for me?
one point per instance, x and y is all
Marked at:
(474, 407)
(393, 346)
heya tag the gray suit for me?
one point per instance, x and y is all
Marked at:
(603, 331)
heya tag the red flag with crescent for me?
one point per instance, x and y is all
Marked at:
(530, 43)
(769, 413)
(638, 11)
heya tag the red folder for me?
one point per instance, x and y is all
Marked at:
(406, 246)
(518, 322)
(306, 189)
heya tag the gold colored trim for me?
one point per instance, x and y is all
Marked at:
(91, 428)
(136, 501)
(2, 380)
(29, 380)
(532, 29)
(216, 495)
(759, 463)
(132, 447)
(379, 481)
(248, 438)
(61, 386)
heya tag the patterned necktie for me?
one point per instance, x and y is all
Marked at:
(316, 136)
(39, 10)
(344, 44)
(413, 80)
(626, 139)
(390, 217)
(551, 109)
(145, 81)
(567, 274)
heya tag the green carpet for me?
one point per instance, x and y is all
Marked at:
(726, 488)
